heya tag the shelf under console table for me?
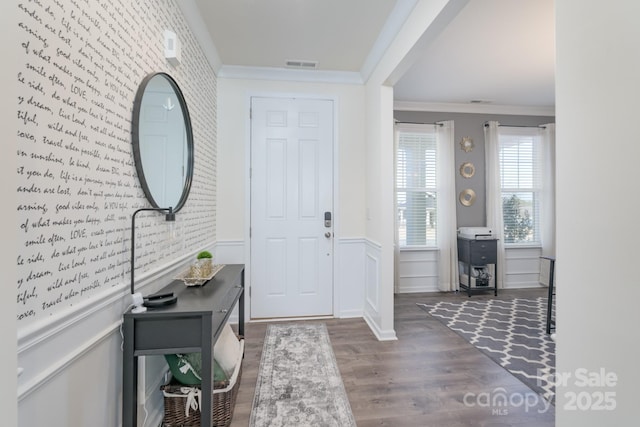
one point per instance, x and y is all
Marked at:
(478, 253)
(193, 324)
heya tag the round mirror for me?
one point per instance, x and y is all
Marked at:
(162, 142)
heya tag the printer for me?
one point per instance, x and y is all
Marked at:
(478, 233)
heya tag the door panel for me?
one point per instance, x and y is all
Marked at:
(276, 178)
(308, 249)
(291, 188)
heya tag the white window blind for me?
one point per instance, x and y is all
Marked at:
(416, 187)
(521, 184)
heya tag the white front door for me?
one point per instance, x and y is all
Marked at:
(291, 190)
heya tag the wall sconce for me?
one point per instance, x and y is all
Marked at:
(172, 49)
(140, 303)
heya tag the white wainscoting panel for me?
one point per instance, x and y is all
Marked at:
(74, 360)
(229, 252)
(350, 277)
(87, 385)
(372, 290)
(372, 280)
(522, 268)
(418, 271)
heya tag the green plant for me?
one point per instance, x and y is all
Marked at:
(204, 254)
(518, 224)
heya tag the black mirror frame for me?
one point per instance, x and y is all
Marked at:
(135, 134)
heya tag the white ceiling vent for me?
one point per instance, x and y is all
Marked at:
(301, 63)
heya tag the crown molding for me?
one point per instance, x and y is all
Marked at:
(520, 110)
(285, 74)
(193, 16)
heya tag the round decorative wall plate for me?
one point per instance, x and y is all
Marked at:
(467, 169)
(467, 197)
(466, 144)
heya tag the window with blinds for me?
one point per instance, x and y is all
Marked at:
(521, 184)
(416, 188)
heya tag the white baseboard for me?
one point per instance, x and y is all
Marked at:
(389, 335)
(414, 289)
(349, 314)
(523, 285)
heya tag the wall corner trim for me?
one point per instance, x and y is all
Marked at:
(386, 335)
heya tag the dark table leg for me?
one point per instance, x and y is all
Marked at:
(129, 377)
(241, 309)
(550, 295)
(207, 372)
(495, 279)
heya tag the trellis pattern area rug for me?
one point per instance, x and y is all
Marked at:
(299, 383)
(510, 332)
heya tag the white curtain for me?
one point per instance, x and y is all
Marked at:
(396, 242)
(446, 216)
(548, 211)
(494, 194)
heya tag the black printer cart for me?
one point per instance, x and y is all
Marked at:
(477, 254)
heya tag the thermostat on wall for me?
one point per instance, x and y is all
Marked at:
(171, 47)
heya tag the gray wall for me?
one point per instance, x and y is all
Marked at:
(472, 126)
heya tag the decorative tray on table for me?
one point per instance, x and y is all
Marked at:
(191, 278)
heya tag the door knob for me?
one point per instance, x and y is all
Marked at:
(327, 234)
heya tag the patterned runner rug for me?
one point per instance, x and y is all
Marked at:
(298, 382)
(510, 332)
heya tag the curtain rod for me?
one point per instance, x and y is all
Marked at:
(518, 126)
(415, 123)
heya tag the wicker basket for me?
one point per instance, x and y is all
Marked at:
(182, 403)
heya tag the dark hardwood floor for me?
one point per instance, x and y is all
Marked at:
(419, 380)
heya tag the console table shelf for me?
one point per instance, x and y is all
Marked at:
(475, 253)
(192, 324)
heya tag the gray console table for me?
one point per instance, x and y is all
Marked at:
(478, 253)
(191, 325)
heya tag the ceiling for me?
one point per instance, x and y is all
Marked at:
(338, 34)
(493, 52)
